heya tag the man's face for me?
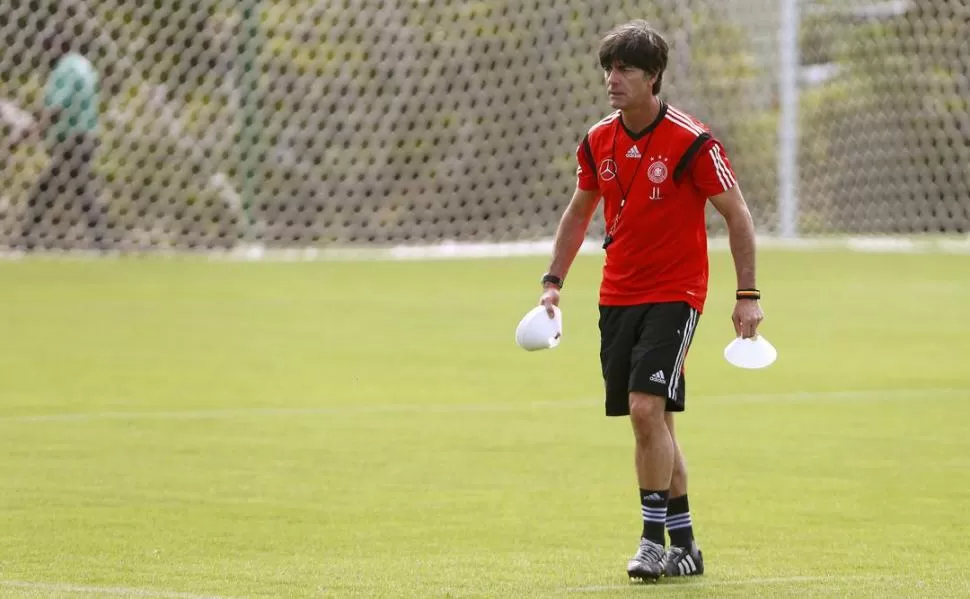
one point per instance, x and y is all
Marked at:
(628, 86)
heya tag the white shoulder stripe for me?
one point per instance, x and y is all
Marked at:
(717, 169)
(686, 119)
(720, 161)
(723, 173)
(610, 116)
(684, 123)
(683, 116)
(606, 121)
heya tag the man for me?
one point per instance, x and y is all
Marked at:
(655, 168)
(68, 123)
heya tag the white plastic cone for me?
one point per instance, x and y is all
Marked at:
(750, 353)
(537, 331)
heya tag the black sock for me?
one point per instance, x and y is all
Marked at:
(679, 523)
(653, 507)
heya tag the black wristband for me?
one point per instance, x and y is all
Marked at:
(752, 294)
(549, 278)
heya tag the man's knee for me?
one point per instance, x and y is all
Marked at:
(647, 413)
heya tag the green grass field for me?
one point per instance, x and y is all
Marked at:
(196, 429)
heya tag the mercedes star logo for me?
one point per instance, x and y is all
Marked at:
(608, 170)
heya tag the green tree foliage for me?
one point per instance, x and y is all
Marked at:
(387, 121)
(887, 141)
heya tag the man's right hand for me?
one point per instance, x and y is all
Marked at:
(550, 298)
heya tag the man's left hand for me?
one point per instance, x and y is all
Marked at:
(747, 316)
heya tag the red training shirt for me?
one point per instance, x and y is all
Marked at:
(659, 247)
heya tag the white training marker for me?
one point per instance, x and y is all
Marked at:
(537, 331)
(751, 353)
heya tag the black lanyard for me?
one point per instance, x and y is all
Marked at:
(633, 180)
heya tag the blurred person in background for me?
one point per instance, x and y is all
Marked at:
(655, 167)
(67, 123)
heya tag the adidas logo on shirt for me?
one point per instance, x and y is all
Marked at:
(658, 377)
(633, 153)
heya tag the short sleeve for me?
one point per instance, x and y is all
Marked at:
(712, 172)
(585, 170)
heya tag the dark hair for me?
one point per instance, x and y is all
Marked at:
(635, 44)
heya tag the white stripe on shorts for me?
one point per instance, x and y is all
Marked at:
(682, 353)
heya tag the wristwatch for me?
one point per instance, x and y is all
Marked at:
(551, 278)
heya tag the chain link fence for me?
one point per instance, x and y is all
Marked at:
(299, 123)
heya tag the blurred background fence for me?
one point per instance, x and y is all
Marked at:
(384, 122)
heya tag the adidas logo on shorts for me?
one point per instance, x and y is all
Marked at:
(658, 377)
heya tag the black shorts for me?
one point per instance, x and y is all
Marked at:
(643, 349)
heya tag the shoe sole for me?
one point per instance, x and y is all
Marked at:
(643, 578)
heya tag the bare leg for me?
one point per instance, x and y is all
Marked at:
(654, 443)
(678, 479)
(654, 459)
(680, 526)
